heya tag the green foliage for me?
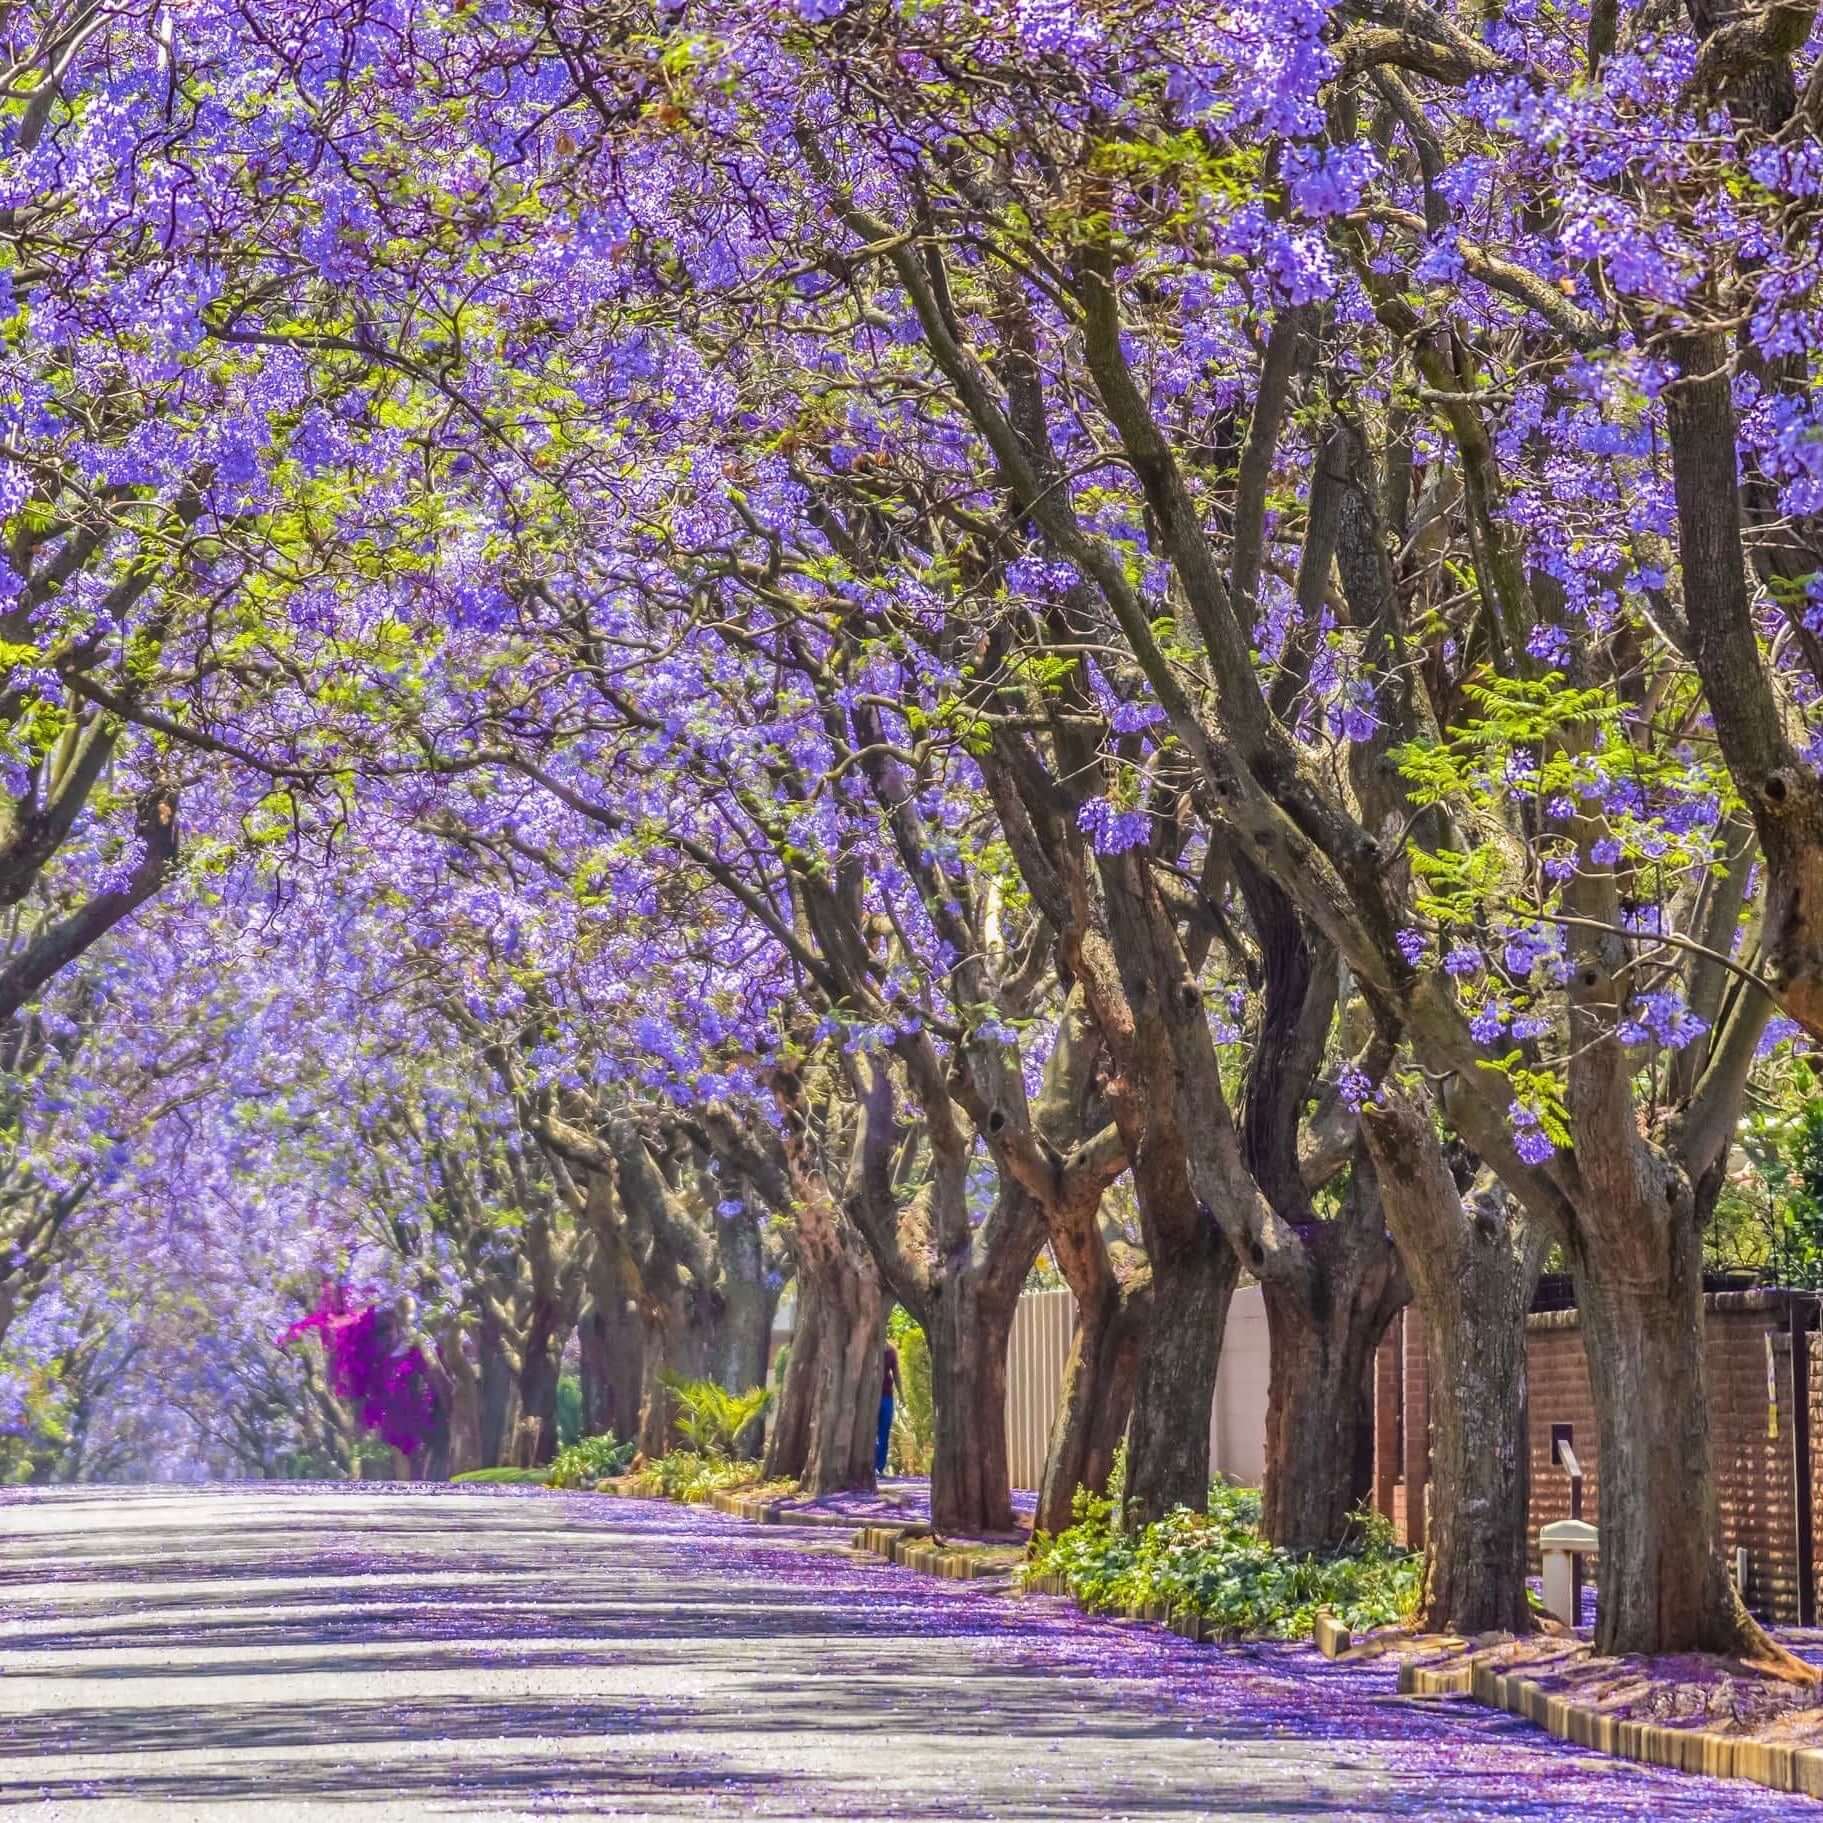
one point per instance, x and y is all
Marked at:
(589, 1460)
(1774, 1225)
(1217, 1565)
(914, 1413)
(710, 1418)
(687, 1475)
(504, 1477)
(569, 1409)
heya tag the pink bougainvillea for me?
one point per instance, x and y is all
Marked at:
(389, 1387)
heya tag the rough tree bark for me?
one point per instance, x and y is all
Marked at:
(1474, 1265)
(495, 1377)
(460, 1396)
(612, 1350)
(1065, 1156)
(1095, 1402)
(961, 1280)
(538, 1360)
(823, 1435)
(1319, 1413)
(1635, 1248)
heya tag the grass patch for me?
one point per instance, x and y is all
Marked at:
(504, 1477)
(1217, 1565)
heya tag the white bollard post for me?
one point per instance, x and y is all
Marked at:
(1559, 1545)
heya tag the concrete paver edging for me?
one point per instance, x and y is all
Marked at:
(1774, 1764)
(915, 1547)
(1332, 1638)
(755, 1509)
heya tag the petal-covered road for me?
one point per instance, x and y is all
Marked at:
(411, 1652)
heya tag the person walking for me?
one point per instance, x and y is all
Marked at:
(889, 1388)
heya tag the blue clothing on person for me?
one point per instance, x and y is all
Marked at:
(889, 1384)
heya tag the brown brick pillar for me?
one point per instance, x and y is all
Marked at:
(1416, 1352)
(1389, 1463)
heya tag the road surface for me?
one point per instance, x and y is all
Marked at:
(326, 1651)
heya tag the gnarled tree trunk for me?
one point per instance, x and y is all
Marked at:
(744, 1332)
(1474, 1266)
(968, 1324)
(1174, 1387)
(460, 1397)
(495, 1387)
(824, 1434)
(1318, 1422)
(539, 1355)
(1661, 1582)
(1324, 1323)
(1094, 1405)
(612, 1351)
(1476, 1548)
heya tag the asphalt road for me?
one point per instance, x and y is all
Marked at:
(423, 1652)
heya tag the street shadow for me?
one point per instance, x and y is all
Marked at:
(785, 1683)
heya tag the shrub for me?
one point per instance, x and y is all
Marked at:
(688, 1475)
(589, 1460)
(569, 1410)
(710, 1418)
(1217, 1565)
(914, 1415)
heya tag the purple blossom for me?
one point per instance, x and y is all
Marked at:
(1354, 1085)
(1111, 829)
(1778, 1030)
(1664, 1018)
(1529, 1138)
(1488, 1021)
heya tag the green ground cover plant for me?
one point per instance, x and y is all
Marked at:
(505, 1477)
(1217, 1565)
(690, 1475)
(589, 1460)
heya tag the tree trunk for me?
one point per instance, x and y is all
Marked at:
(847, 1413)
(666, 1351)
(968, 1332)
(788, 1438)
(496, 1393)
(1476, 1546)
(829, 1406)
(462, 1400)
(744, 1334)
(1174, 1388)
(1319, 1422)
(612, 1349)
(1093, 1407)
(1661, 1583)
(1474, 1267)
(1323, 1326)
(539, 1358)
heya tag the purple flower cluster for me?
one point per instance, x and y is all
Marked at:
(1111, 829)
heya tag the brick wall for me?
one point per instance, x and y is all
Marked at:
(1748, 1366)
(1816, 1445)
(1389, 1394)
(1557, 1393)
(1754, 1467)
